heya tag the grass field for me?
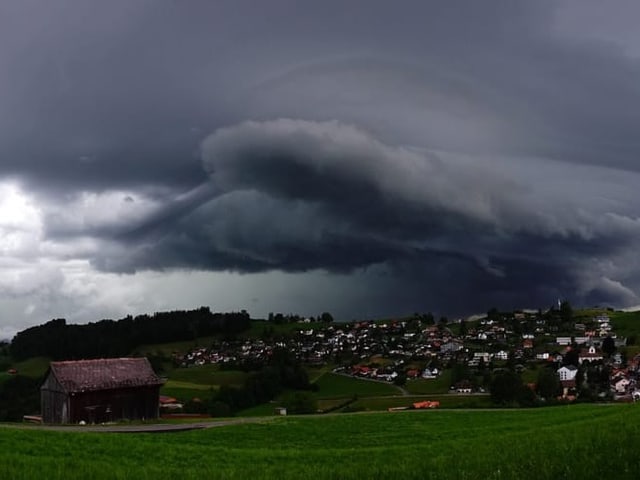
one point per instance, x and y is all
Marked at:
(584, 441)
(201, 381)
(625, 324)
(421, 386)
(34, 368)
(332, 385)
(208, 375)
(171, 347)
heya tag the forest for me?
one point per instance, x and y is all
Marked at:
(113, 338)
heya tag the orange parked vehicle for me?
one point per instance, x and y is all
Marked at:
(426, 404)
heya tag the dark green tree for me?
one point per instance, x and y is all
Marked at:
(19, 395)
(459, 372)
(609, 346)
(429, 318)
(548, 385)
(566, 312)
(463, 328)
(219, 409)
(571, 357)
(493, 314)
(526, 396)
(442, 323)
(505, 387)
(400, 380)
(326, 317)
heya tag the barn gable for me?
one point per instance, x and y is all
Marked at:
(100, 390)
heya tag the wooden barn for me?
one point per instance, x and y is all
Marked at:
(98, 391)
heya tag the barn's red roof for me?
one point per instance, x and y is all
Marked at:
(104, 374)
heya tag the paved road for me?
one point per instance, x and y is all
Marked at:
(148, 428)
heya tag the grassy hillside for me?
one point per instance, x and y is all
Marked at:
(434, 385)
(171, 347)
(585, 441)
(199, 381)
(34, 368)
(332, 385)
(625, 324)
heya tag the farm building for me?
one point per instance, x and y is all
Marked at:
(97, 391)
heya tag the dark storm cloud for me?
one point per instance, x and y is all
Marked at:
(449, 153)
(296, 195)
(102, 94)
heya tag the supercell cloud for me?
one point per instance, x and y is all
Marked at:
(365, 158)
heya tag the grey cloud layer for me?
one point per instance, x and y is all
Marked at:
(448, 154)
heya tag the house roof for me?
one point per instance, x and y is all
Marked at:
(104, 374)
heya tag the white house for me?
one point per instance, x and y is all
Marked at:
(567, 372)
(484, 356)
(427, 373)
(502, 355)
(621, 385)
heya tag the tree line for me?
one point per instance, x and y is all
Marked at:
(115, 338)
(281, 372)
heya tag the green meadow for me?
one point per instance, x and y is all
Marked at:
(333, 385)
(569, 442)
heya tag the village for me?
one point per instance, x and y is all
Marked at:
(587, 356)
(519, 358)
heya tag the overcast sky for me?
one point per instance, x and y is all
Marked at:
(368, 158)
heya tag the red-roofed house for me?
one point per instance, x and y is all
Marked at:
(97, 391)
(589, 355)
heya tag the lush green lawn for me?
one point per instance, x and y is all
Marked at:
(625, 324)
(208, 375)
(186, 391)
(262, 410)
(201, 381)
(34, 367)
(332, 385)
(584, 441)
(167, 349)
(421, 386)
